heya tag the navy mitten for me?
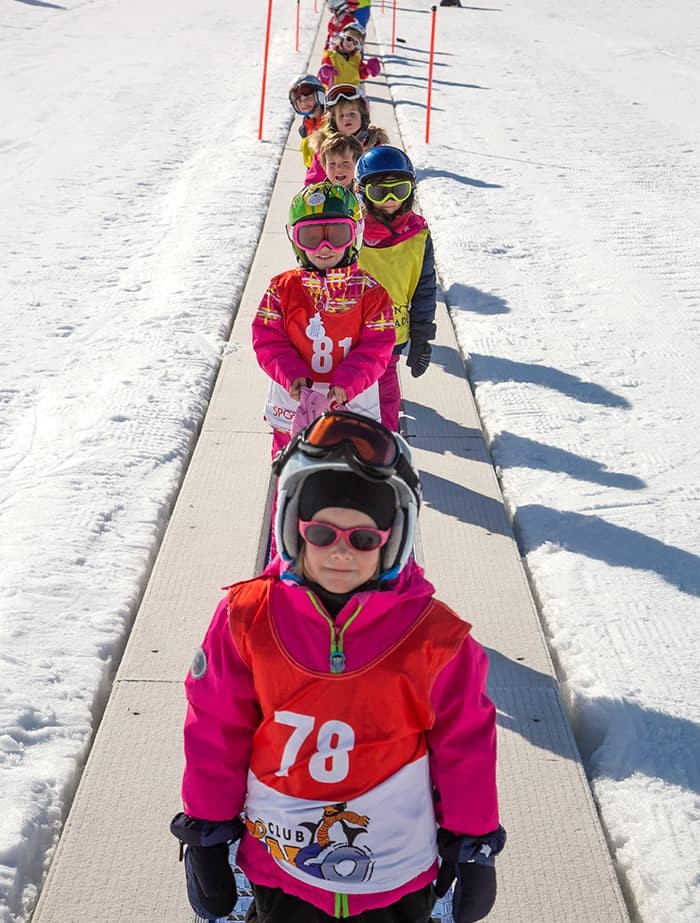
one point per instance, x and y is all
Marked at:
(420, 349)
(471, 861)
(211, 885)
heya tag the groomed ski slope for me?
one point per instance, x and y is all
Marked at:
(561, 189)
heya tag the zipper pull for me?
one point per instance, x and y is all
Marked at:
(337, 658)
(337, 662)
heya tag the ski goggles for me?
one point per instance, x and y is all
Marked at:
(371, 445)
(368, 447)
(325, 535)
(379, 193)
(344, 37)
(346, 91)
(304, 89)
(312, 235)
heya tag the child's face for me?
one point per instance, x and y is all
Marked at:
(340, 167)
(305, 100)
(348, 118)
(325, 258)
(348, 44)
(391, 205)
(340, 568)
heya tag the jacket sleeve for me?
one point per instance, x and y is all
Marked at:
(315, 172)
(462, 745)
(367, 360)
(423, 302)
(222, 715)
(276, 355)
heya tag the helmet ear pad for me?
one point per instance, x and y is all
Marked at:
(391, 550)
(287, 524)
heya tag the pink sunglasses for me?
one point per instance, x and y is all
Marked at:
(325, 535)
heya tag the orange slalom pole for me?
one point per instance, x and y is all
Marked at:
(315, 6)
(430, 75)
(264, 73)
(393, 30)
(298, 8)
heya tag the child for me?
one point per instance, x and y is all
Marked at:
(361, 10)
(343, 62)
(340, 17)
(357, 762)
(325, 324)
(338, 155)
(308, 99)
(398, 251)
(348, 113)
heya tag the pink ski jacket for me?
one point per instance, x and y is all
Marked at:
(224, 713)
(350, 302)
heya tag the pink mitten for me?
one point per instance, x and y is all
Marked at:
(326, 74)
(373, 66)
(311, 405)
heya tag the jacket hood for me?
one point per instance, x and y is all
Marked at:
(378, 234)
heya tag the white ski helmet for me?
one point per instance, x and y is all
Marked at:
(314, 86)
(348, 442)
(357, 28)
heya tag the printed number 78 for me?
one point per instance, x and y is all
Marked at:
(334, 741)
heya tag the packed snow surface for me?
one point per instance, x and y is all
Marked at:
(561, 186)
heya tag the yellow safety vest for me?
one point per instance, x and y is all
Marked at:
(398, 270)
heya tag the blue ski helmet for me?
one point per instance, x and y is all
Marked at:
(382, 163)
(384, 159)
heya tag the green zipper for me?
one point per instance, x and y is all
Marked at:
(337, 655)
(337, 665)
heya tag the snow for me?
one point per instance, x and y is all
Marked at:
(561, 186)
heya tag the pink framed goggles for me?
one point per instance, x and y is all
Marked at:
(312, 235)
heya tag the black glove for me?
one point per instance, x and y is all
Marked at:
(471, 860)
(420, 349)
(211, 885)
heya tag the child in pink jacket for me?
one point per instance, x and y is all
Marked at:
(338, 724)
(326, 324)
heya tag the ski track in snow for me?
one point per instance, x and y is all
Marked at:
(561, 189)
(132, 194)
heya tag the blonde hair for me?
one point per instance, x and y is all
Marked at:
(375, 137)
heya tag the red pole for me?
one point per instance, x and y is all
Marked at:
(298, 7)
(430, 76)
(382, 6)
(315, 6)
(393, 30)
(264, 73)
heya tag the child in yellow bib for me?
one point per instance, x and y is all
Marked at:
(398, 251)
